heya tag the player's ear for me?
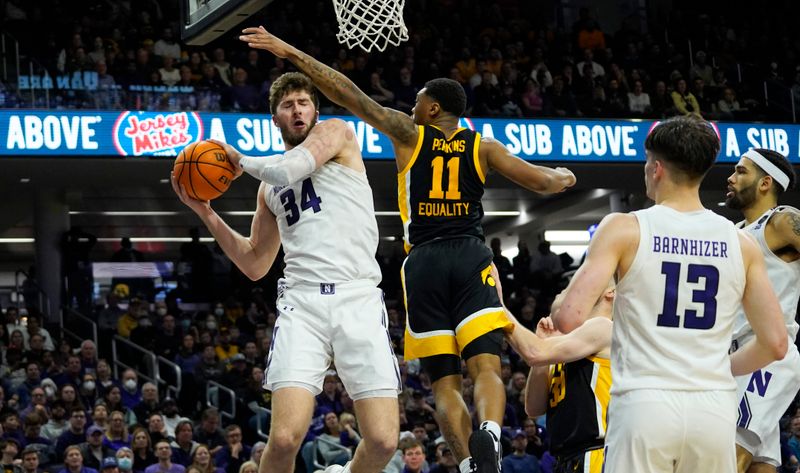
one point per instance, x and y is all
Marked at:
(435, 109)
(765, 182)
(658, 168)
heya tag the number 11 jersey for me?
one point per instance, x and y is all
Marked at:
(327, 226)
(440, 189)
(675, 307)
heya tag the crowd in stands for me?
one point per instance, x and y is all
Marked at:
(512, 58)
(63, 401)
(62, 408)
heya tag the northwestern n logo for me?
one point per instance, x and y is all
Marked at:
(759, 382)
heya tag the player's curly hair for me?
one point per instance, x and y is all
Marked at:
(689, 144)
(291, 82)
(781, 163)
(449, 94)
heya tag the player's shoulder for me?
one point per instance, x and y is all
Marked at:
(333, 124)
(490, 142)
(620, 222)
(786, 218)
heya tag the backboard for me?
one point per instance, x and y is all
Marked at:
(202, 21)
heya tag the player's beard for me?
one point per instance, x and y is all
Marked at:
(294, 139)
(741, 199)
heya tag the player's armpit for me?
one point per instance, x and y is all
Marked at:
(616, 235)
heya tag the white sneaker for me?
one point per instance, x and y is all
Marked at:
(336, 468)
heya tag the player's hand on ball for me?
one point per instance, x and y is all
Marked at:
(194, 204)
(234, 156)
(260, 38)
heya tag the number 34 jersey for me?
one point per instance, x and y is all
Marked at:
(327, 226)
(675, 307)
(440, 189)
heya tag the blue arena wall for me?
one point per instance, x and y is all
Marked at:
(26, 133)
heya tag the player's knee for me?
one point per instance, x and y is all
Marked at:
(284, 441)
(382, 444)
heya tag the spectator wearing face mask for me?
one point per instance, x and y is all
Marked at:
(145, 332)
(125, 460)
(131, 395)
(88, 390)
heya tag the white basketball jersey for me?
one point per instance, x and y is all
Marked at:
(785, 279)
(675, 307)
(327, 226)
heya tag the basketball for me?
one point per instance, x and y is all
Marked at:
(204, 170)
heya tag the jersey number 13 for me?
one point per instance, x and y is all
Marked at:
(706, 296)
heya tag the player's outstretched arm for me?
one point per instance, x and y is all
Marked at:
(541, 179)
(337, 87)
(253, 255)
(763, 312)
(325, 141)
(616, 234)
(590, 338)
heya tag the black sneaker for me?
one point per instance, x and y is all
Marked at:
(481, 447)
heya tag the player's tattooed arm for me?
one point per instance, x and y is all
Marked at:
(337, 87)
(787, 224)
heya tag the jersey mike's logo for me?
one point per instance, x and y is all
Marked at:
(156, 133)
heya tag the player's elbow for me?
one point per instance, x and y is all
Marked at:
(779, 348)
(563, 322)
(253, 272)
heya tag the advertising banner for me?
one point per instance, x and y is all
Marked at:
(25, 133)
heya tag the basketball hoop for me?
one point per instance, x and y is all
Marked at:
(370, 23)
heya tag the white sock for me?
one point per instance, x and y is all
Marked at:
(465, 465)
(492, 427)
(346, 468)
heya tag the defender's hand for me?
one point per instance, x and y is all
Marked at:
(546, 329)
(567, 177)
(260, 38)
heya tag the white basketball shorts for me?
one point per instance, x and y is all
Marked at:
(343, 323)
(664, 431)
(764, 397)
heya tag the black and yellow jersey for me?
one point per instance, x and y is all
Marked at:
(440, 189)
(577, 405)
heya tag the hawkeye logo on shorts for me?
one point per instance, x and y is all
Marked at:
(156, 133)
(486, 276)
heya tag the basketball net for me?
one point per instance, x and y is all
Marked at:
(370, 23)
